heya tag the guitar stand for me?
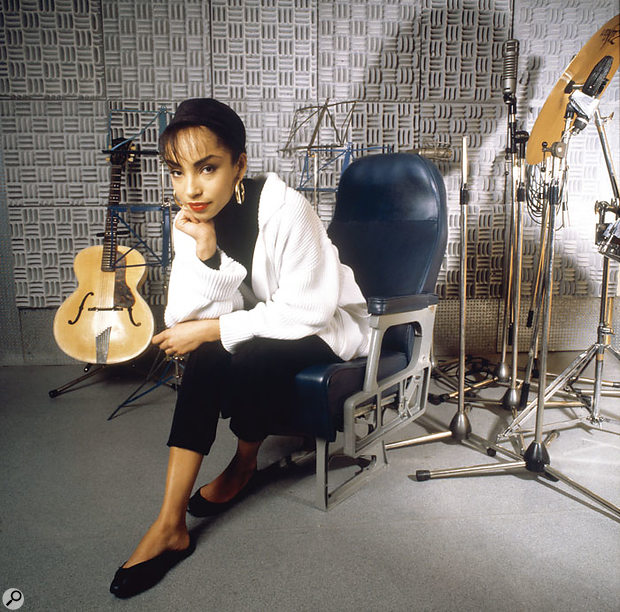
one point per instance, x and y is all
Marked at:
(165, 378)
(168, 378)
(88, 373)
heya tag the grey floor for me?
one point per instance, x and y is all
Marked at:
(78, 492)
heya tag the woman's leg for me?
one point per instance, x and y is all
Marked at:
(264, 404)
(259, 401)
(203, 389)
(236, 475)
(169, 531)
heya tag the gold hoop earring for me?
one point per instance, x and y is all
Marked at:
(174, 195)
(239, 192)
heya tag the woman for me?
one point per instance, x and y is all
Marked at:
(246, 341)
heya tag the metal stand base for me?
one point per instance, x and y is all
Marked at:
(535, 460)
(459, 430)
(566, 379)
(475, 366)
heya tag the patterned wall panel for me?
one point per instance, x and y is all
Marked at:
(53, 181)
(264, 66)
(51, 49)
(156, 50)
(410, 72)
(263, 50)
(367, 50)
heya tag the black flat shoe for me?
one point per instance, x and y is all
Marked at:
(200, 507)
(138, 578)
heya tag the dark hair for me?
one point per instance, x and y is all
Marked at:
(222, 120)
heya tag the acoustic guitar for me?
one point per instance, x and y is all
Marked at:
(106, 320)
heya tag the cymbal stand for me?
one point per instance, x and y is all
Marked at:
(460, 427)
(536, 457)
(604, 330)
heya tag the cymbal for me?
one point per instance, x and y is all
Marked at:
(550, 122)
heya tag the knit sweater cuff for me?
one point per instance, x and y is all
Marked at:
(199, 292)
(215, 284)
(235, 328)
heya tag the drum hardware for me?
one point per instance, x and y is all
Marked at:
(549, 124)
(610, 241)
(574, 113)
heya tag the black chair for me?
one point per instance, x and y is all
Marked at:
(390, 227)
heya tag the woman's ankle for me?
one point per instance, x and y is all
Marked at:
(170, 527)
(247, 452)
(158, 539)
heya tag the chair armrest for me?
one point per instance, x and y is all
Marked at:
(404, 303)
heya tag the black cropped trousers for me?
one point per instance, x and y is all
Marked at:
(255, 387)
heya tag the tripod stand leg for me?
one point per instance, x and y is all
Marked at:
(163, 379)
(565, 479)
(614, 352)
(89, 372)
(472, 470)
(604, 332)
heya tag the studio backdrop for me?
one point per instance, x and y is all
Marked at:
(388, 75)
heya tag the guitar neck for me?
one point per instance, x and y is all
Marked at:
(108, 258)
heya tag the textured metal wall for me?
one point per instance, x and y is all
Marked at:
(421, 72)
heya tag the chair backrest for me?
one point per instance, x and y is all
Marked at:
(390, 223)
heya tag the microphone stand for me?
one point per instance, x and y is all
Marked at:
(502, 371)
(533, 320)
(515, 157)
(460, 427)
(514, 184)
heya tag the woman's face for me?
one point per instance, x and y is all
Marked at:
(202, 172)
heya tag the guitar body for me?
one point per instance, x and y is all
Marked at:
(105, 320)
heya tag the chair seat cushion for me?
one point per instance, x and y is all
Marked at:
(322, 390)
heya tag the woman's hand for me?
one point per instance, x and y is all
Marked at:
(187, 336)
(203, 232)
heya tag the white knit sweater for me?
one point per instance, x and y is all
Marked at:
(301, 286)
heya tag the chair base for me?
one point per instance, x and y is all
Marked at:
(370, 465)
(327, 495)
